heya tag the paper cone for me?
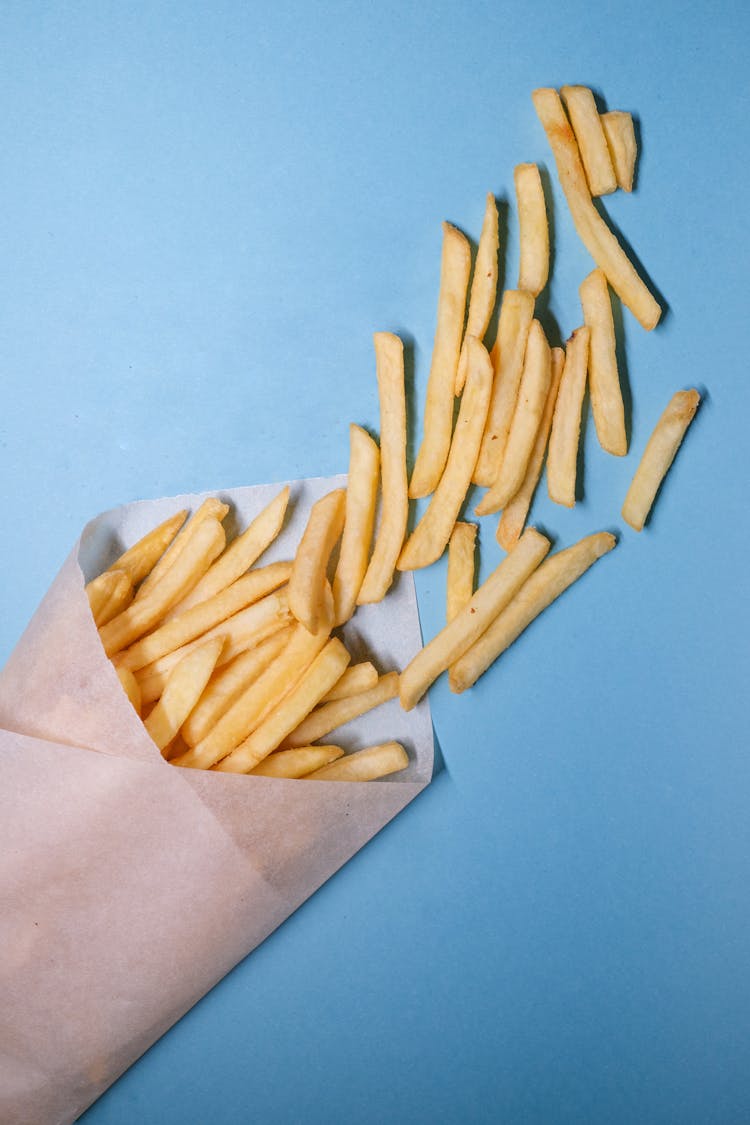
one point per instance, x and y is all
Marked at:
(130, 887)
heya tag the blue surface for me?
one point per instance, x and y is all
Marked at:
(207, 210)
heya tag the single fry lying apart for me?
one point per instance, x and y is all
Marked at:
(516, 313)
(307, 582)
(461, 567)
(141, 558)
(620, 133)
(469, 624)
(533, 269)
(562, 455)
(184, 688)
(547, 583)
(527, 417)
(592, 144)
(511, 523)
(604, 379)
(108, 595)
(658, 456)
(438, 414)
(593, 231)
(389, 362)
(365, 765)
(430, 537)
(483, 286)
(356, 678)
(211, 509)
(296, 763)
(130, 687)
(359, 522)
(331, 716)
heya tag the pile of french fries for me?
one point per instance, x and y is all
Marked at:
(237, 667)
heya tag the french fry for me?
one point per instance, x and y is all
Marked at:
(658, 456)
(359, 522)
(184, 688)
(516, 313)
(592, 144)
(296, 763)
(242, 553)
(483, 286)
(620, 133)
(527, 417)
(365, 765)
(307, 583)
(604, 380)
(192, 563)
(210, 509)
(318, 679)
(468, 625)
(533, 269)
(562, 455)
(108, 595)
(331, 716)
(356, 678)
(461, 566)
(430, 537)
(389, 361)
(140, 559)
(545, 585)
(441, 383)
(511, 523)
(593, 231)
(130, 687)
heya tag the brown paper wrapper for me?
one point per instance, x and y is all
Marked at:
(129, 887)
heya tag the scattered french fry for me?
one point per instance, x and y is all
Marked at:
(359, 522)
(307, 583)
(184, 688)
(461, 567)
(620, 133)
(296, 763)
(331, 716)
(604, 380)
(438, 415)
(592, 144)
(511, 523)
(356, 678)
(430, 537)
(365, 765)
(389, 362)
(142, 557)
(593, 231)
(658, 456)
(130, 687)
(211, 509)
(545, 585)
(483, 286)
(562, 455)
(108, 595)
(516, 313)
(533, 268)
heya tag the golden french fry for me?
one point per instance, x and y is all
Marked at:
(228, 683)
(516, 313)
(389, 359)
(592, 144)
(620, 133)
(130, 687)
(604, 380)
(483, 286)
(547, 583)
(430, 537)
(241, 553)
(210, 509)
(461, 566)
(365, 765)
(658, 456)
(192, 563)
(359, 522)
(139, 559)
(469, 624)
(527, 417)
(243, 631)
(331, 716)
(438, 414)
(356, 678)
(307, 583)
(562, 455)
(533, 269)
(296, 763)
(108, 595)
(318, 679)
(511, 523)
(593, 231)
(184, 688)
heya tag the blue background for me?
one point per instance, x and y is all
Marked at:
(207, 208)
